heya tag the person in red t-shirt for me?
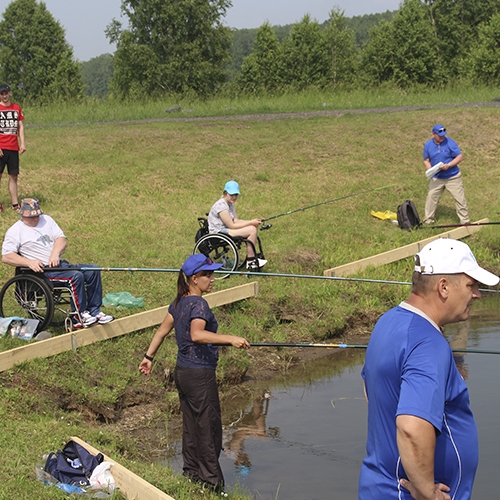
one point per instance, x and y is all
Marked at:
(11, 141)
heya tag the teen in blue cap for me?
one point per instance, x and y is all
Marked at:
(223, 218)
(196, 333)
(442, 149)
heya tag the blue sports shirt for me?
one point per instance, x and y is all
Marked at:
(445, 152)
(410, 370)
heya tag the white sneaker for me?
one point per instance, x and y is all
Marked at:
(87, 318)
(102, 318)
(256, 264)
(252, 265)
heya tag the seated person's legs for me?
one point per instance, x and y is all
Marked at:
(248, 232)
(74, 280)
(93, 285)
(87, 287)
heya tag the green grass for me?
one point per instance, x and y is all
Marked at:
(95, 110)
(128, 195)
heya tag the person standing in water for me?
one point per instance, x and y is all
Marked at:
(194, 375)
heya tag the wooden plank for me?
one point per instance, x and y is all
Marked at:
(131, 485)
(237, 293)
(122, 326)
(400, 253)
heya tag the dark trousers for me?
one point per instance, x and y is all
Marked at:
(202, 425)
(86, 285)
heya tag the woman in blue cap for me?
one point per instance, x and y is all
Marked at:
(223, 218)
(194, 375)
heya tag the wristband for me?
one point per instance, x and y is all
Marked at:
(149, 358)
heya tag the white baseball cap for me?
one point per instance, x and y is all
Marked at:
(447, 256)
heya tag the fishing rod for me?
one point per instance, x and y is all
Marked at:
(352, 346)
(240, 273)
(461, 225)
(331, 278)
(325, 203)
(132, 270)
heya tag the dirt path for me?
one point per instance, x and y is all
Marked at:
(280, 116)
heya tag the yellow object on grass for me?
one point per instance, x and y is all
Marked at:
(387, 215)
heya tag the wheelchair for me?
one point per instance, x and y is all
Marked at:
(35, 296)
(230, 251)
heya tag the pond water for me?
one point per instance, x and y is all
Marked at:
(303, 437)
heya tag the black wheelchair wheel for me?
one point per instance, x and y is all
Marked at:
(221, 249)
(28, 297)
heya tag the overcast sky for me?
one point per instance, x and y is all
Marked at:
(85, 20)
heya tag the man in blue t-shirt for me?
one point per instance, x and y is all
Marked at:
(442, 149)
(422, 439)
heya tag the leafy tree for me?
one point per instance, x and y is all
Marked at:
(403, 50)
(260, 69)
(243, 40)
(361, 25)
(341, 45)
(170, 47)
(306, 57)
(97, 73)
(244, 43)
(455, 24)
(483, 63)
(376, 57)
(35, 58)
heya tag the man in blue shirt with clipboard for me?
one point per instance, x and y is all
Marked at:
(443, 150)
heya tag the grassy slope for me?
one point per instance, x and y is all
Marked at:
(129, 194)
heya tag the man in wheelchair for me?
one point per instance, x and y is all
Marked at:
(37, 242)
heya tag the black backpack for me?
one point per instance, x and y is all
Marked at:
(408, 216)
(73, 464)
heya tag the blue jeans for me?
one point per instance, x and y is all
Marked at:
(86, 286)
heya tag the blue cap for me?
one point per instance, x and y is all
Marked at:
(439, 130)
(199, 262)
(232, 187)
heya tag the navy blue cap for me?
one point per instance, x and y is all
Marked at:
(199, 262)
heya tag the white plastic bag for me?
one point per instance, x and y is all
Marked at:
(102, 478)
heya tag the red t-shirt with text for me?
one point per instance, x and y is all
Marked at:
(10, 116)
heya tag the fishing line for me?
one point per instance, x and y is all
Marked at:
(322, 203)
(242, 273)
(352, 346)
(460, 225)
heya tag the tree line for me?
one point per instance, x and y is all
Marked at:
(182, 47)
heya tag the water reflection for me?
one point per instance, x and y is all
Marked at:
(252, 423)
(458, 340)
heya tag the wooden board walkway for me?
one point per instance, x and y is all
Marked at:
(79, 338)
(130, 485)
(401, 252)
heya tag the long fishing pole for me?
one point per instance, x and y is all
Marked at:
(460, 225)
(240, 273)
(351, 346)
(326, 202)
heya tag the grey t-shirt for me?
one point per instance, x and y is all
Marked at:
(32, 242)
(215, 224)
